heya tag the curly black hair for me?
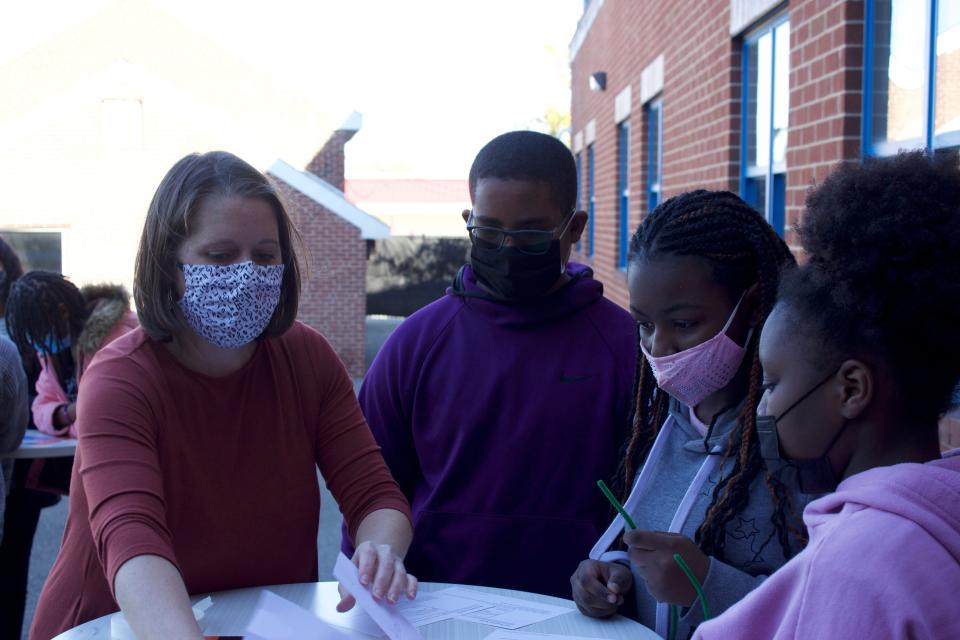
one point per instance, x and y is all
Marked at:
(529, 156)
(743, 250)
(883, 276)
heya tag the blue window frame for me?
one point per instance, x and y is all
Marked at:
(911, 58)
(579, 159)
(766, 109)
(591, 201)
(623, 189)
(654, 153)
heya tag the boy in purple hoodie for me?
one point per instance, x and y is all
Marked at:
(499, 406)
(860, 356)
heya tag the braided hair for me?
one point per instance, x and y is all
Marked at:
(743, 251)
(12, 269)
(35, 310)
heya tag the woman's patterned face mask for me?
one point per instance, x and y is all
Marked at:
(230, 305)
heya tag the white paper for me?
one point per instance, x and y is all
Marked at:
(278, 619)
(502, 634)
(503, 611)
(426, 609)
(436, 606)
(387, 617)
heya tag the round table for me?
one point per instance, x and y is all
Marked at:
(231, 611)
(41, 445)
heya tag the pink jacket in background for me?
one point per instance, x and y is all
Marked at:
(50, 394)
(883, 562)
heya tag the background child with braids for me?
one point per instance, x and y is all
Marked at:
(703, 275)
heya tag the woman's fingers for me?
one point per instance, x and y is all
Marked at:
(366, 561)
(385, 570)
(398, 583)
(346, 600)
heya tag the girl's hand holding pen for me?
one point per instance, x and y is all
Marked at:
(651, 553)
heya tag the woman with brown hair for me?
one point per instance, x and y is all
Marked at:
(202, 431)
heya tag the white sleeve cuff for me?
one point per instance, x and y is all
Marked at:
(620, 557)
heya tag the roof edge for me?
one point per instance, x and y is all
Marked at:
(331, 198)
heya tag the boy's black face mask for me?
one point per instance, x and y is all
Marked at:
(516, 276)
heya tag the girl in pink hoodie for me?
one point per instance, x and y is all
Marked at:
(861, 356)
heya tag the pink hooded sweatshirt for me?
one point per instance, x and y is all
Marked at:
(883, 562)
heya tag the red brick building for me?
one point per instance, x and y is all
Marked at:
(335, 234)
(759, 97)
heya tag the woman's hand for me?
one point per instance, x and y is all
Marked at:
(651, 553)
(382, 571)
(598, 587)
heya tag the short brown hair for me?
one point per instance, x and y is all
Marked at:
(188, 184)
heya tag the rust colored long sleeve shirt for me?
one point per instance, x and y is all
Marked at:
(217, 475)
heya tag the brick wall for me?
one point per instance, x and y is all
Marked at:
(333, 299)
(328, 163)
(701, 104)
(826, 80)
(702, 111)
(701, 107)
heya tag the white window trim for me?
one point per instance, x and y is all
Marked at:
(651, 80)
(590, 133)
(622, 105)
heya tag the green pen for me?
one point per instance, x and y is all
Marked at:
(616, 504)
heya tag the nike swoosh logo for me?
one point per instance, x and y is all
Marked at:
(564, 379)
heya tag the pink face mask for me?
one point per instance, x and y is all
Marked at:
(693, 374)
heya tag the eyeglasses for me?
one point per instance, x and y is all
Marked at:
(534, 242)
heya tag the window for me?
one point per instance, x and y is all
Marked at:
(591, 201)
(654, 152)
(579, 158)
(37, 249)
(766, 100)
(912, 86)
(623, 188)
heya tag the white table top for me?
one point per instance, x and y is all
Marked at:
(231, 611)
(40, 445)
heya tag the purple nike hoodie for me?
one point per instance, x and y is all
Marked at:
(883, 562)
(497, 420)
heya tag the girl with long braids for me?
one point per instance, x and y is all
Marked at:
(65, 326)
(703, 274)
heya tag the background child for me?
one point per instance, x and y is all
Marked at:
(65, 326)
(703, 275)
(860, 358)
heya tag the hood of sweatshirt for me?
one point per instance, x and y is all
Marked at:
(927, 494)
(580, 292)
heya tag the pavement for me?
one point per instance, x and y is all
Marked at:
(52, 519)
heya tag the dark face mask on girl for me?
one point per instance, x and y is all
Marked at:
(814, 475)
